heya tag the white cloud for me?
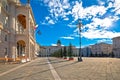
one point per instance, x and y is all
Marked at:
(105, 23)
(62, 45)
(100, 19)
(51, 4)
(72, 26)
(110, 5)
(118, 12)
(48, 21)
(116, 5)
(79, 12)
(51, 22)
(66, 4)
(53, 44)
(101, 2)
(57, 8)
(91, 34)
(67, 37)
(46, 1)
(56, 45)
(104, 40)
(98, 28)
(66, 19)
(110, 0)
(82, 46)
(76, 30)
(47, 18)
(75, 35)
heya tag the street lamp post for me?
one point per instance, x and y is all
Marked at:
(79, 27)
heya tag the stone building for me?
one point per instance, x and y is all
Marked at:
(16, 30)
(86, 51)
(116, 46)
(49, 50)
(100, 49)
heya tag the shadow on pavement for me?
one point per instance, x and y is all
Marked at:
(43, 71)
(52, 61)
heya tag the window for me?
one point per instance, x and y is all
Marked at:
(0, 32)
(32, 32)
(0, 36)
(5, 5)
(5, 37)
(6, 21)
(6, 51)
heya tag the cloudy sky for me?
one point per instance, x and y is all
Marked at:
(58, 20)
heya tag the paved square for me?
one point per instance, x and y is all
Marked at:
(39, 69)
(89, 69)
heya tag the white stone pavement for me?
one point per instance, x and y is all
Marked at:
(36, 70)
(89, 69)
(15, 68)
(53, 71)
(60, 69)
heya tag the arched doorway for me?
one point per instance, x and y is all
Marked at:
(20, 48)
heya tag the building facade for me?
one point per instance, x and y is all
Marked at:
(116, 46)
(101, 49)
(86, 51)
(49, 50)
(17, 36)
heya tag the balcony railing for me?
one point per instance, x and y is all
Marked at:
(20, 32)
(16, 1)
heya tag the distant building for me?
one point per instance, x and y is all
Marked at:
(86, 51)
(16, 30)
(49, 50)
(116, 46)
(75, 51)
(101, 49)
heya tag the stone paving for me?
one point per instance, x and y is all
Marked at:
(89, 69)
(36, 70)
(5, 67)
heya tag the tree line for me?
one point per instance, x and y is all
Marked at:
(64, 52)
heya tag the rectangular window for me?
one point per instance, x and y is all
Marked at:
(6, 7)
(6, 51)
(0, 32)
(5, 37)
(0, 36)
(6, 21)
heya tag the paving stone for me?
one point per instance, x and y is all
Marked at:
(88, 69)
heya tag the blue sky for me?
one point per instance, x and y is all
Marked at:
(58, 20)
